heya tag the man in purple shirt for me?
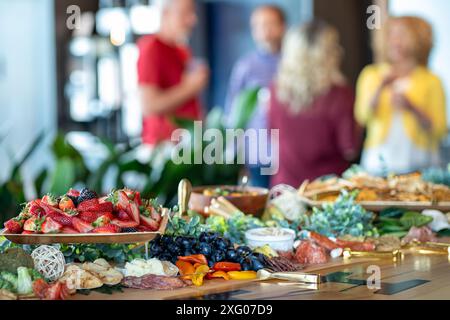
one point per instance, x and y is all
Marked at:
(257, 69)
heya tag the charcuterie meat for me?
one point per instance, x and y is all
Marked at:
(151, 281)
(309, 253)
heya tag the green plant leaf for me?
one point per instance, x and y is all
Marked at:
(63, 178)
(244, 108)
(414, 219)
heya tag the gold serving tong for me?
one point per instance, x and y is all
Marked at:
(395, 254)
(429, 247)
(300, 277)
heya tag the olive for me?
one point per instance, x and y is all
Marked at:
(231, 255)
(205, 249)
(246, 265)
(173, 248)
(218, 256)
(243, 250)
(186, 243)
(220, 244)
(165, 241)
(204, 237)
(256, 264)
(155, 248)
(166, 257)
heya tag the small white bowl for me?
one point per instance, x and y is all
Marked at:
(279, 239)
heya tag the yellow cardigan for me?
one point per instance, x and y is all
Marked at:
(425, 92)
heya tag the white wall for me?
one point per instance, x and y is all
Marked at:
(437, 12)
(27, 79)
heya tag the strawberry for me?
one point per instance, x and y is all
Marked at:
(103, 220)
(105, 207)
(149, 222)
(133, 196)
(109, 228)
(122, 215)
(81, 226)
(33, 224)
(55, 291)
(50, 200)
(155, 215)
(88, 216)
(68, 230)
(122, 201)
(125, 224)
(50, 226)
(73, 193)
(62, 219)
(14, 226)
(48, 209)
(28, 232)
(34, 208)
(66, 203)
(133, 211)
(88, 205)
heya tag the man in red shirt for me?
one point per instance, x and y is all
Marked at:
(166, 85)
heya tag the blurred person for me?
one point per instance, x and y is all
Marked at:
(402, 103)
(256, 70)
(312, 107)
(169, 82)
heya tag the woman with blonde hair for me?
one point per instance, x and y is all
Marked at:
(312, 107)
(402, 103)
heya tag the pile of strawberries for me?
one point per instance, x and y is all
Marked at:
(84, 212)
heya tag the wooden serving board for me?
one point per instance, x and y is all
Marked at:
(381, 205)
(135, 237)
(211, 286)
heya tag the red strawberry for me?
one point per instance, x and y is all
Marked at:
(149, 222)
(35, 209)
(88, 205)
(103, 220)
(88, 216)
(65, 220)
(28, 232)
(125, 224)
(122, 215)
(155, 215)
(133, 196)
(105, 207)
(50, 226)
(109, 228)
(82, 226)
(50, 200)
(14, 226)
(50, 209)
(123, 201)
(32, 224)
(73, 193)
(66, 203)
(68, 230)
(133, 211)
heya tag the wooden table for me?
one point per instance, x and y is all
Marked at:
(414, 277)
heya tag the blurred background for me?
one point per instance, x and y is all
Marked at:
(68, 98)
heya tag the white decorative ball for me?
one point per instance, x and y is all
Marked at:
(49, 261)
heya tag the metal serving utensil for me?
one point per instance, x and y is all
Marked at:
(184, 193)
(347, 254)
(264, 274)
